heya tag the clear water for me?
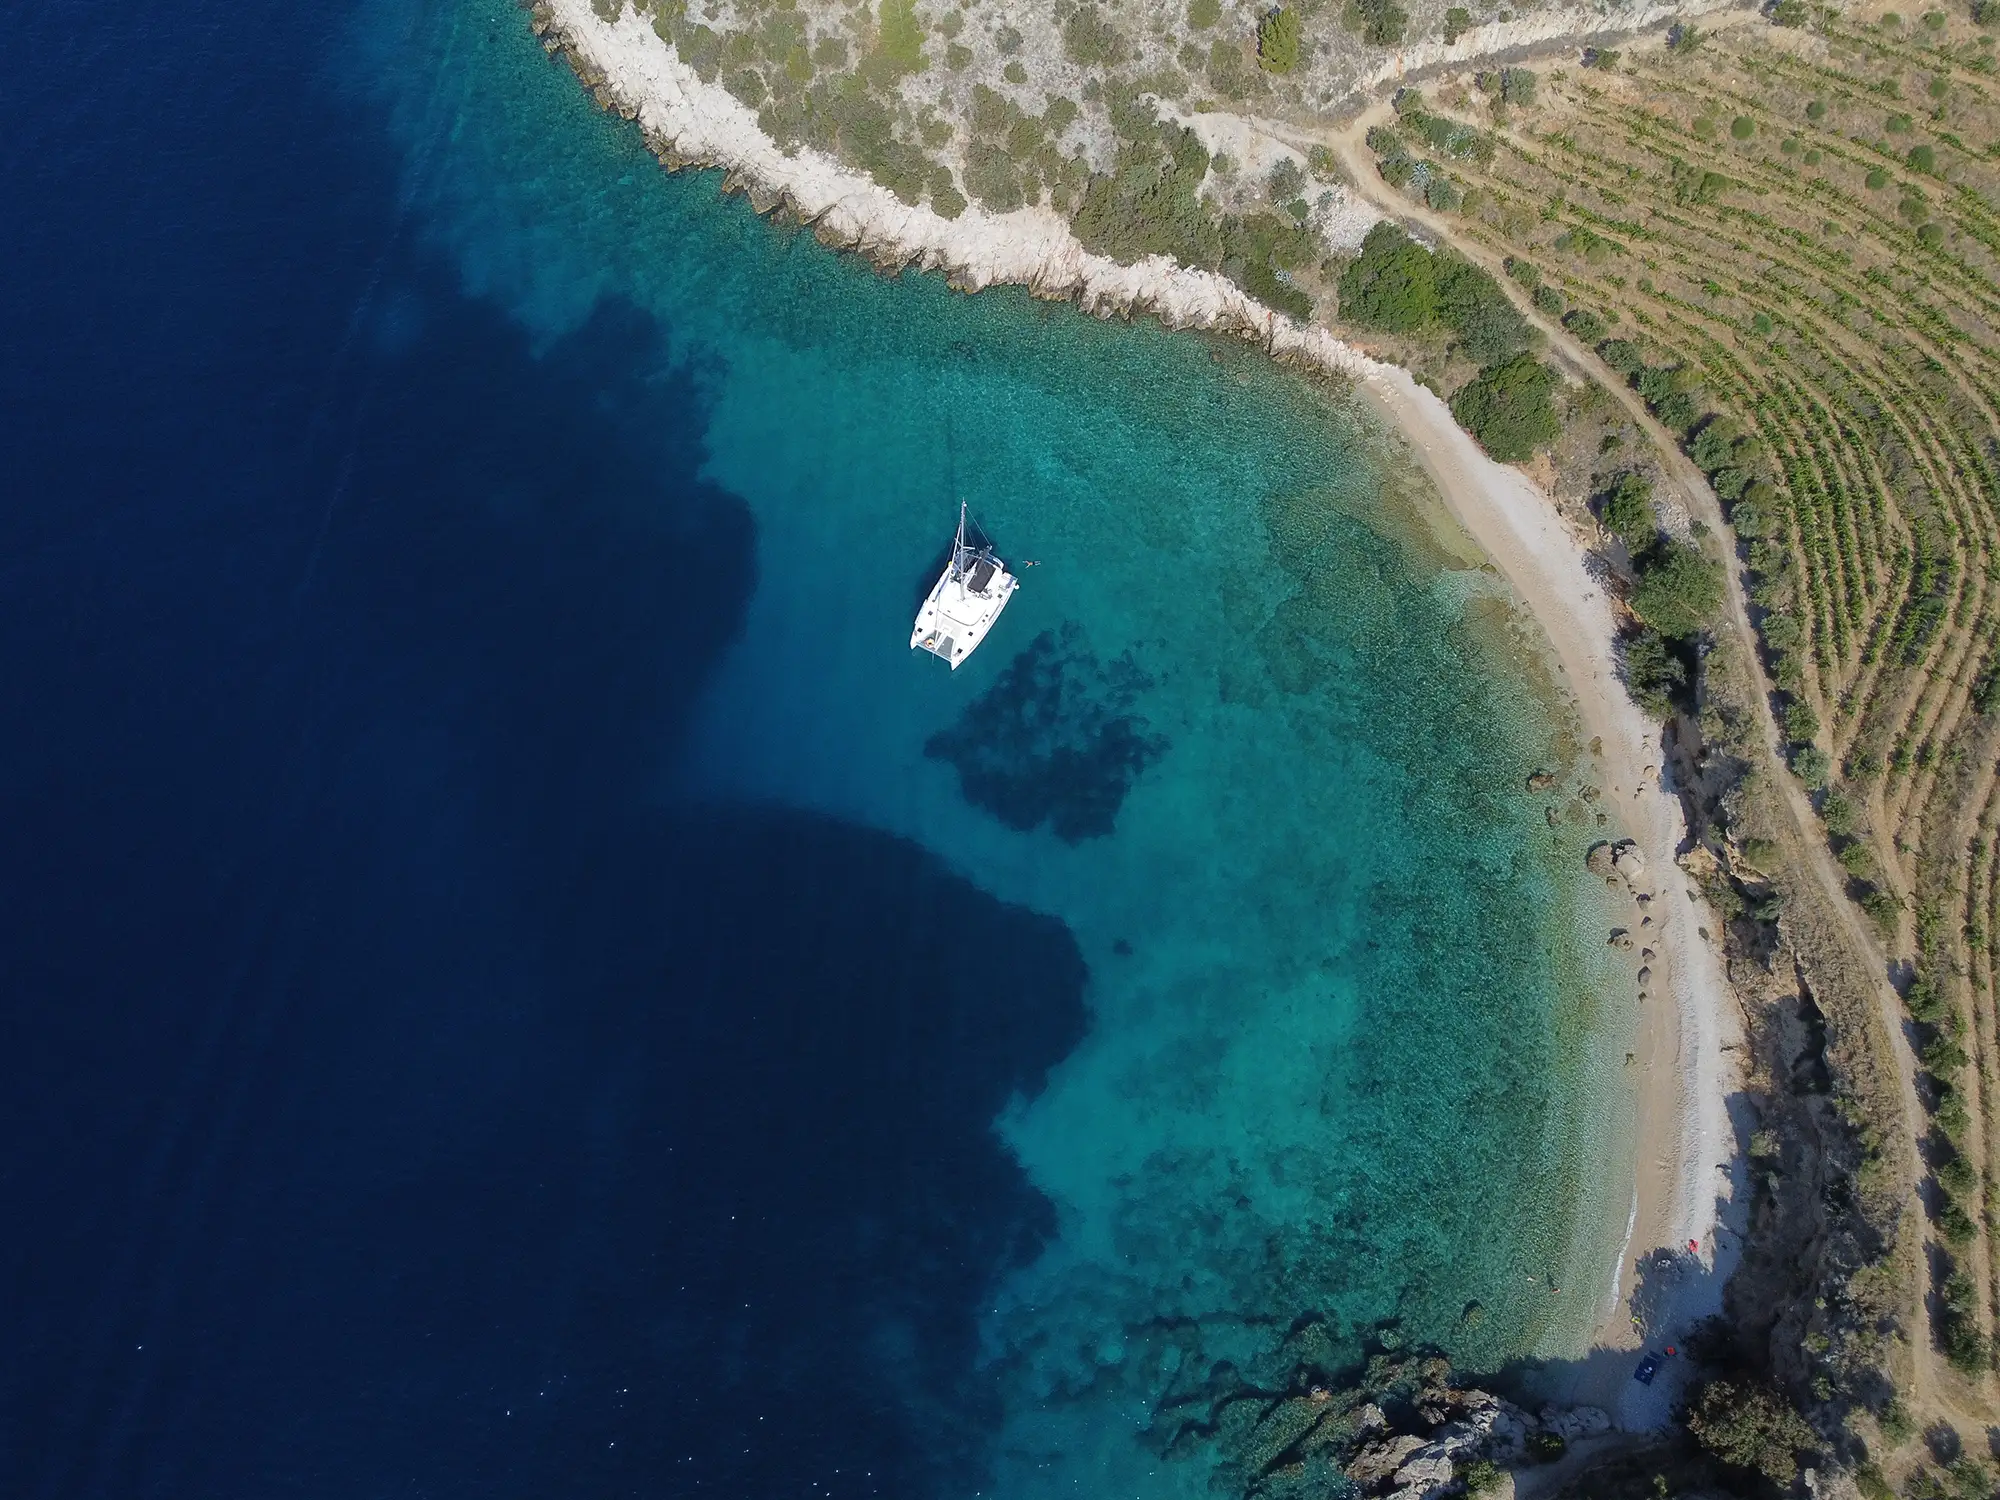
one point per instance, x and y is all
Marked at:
(625, 1003)
(1343, 1056)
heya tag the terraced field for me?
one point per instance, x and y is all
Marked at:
(1787, 241)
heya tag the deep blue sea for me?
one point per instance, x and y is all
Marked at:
(516, 983)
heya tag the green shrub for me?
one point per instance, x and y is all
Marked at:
(1391, 285)
(1471, 304)
(1149, 203)
(1626, 508)
(1801, 723)
(1380, 22)
(990, 177)
(1816, 110)
(1942, 1057)
(1457, 21)
(1203, 14)
(1924, 1002)
(1517, 87)
(1479, 1476)
(1286, 181)
(1956, 1224)
(1751, 1427)
(1584, 324)
(1278, 41)
(1931, 236)
(1788, 13)
(1922, 159)
(1986, 12)
(1958, 1332)
(945, 196)
(1839, 813)
(1742, 128)
(1955, 1175)
(1524, 271)
(1547, 299)
(1509, 408)
(1679, 589)
(1655, 675)
(901, 36)
(1090, 41)
(1622, 355)
(1877, 179)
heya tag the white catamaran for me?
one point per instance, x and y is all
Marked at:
(974, 587)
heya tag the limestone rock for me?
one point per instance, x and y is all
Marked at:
(1421, 1478)
(1541, 781)
(1620, 938)
(1576, 1422)
(1378, 1462)
(1601, 860)
(1629, 862)
(1645, 975)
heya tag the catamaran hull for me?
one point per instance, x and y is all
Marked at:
(957, 617)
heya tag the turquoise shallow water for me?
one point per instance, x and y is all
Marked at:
(1267, 743)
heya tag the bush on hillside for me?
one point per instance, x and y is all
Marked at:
(1091, 41)
(1584, 324)
(1622, 355)
(902, 36)
(1751, 1427)
(1655, 675)
(1380, 22)
(1278, 41)
(1391, 285)
(1471, 304)
(1679, 590)
(1509, 408)
(1626, 508)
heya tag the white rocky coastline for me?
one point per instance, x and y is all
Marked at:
(689, 122)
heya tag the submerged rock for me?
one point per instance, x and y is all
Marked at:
(1541, 781)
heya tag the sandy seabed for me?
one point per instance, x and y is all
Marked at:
(1687, 1168)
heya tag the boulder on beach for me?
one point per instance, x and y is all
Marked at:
(1620, 938)
(1575, 1422)
(1616, 861)
(1628, 861)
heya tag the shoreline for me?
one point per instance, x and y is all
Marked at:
(1684, 1138)
(1687, 1163)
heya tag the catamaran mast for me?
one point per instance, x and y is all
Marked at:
(958, 545)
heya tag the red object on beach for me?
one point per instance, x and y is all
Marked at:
(1694, 1245)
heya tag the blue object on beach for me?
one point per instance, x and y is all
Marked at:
(1648, 1368)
